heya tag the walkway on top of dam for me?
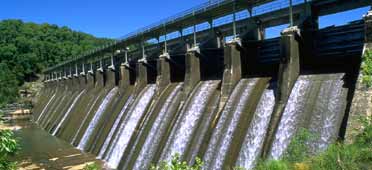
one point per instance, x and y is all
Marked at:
(213, 14)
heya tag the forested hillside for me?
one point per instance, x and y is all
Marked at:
(27, 48)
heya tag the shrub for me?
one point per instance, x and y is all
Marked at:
(8, 147)
(92, 166)
(177, 164)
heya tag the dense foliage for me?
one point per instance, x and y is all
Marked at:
(8, 146)
(27, 48)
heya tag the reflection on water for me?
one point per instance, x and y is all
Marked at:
(47, 151)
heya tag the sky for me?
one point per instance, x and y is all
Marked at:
(115, 18)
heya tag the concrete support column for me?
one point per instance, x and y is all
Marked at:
(124, 76)
(100, 77)
(141, 73)
(233, 68)
(164, 77)
(289, 71)
(91, 77)
(192, 70)
(111, 77)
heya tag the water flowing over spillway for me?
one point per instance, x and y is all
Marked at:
(96, 118)
(67, 112)
(114, 127)
(324, 119)
(151, 127)
(84, 121)
(190, 116)
(158, 129)
(222, 135)
(45, 108)
(128, 126)
(254, 139)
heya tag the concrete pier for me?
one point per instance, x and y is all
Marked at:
(192, 70)
(289, 71)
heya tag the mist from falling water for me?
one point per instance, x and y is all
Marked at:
(223, 133)
(84, 120)
(114, 127)
(45, 107)
(157, 130)
(185, 126)
(291, 118)
(96, 118)
(254, 140)
(67, 113)
(128, 127)
(328, 113)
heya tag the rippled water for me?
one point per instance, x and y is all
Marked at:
(228, 122)
(158, 129)
(254, 140)
(182, 133)
(291, 118)
(96, 118)
(115, 126)
(128, 127)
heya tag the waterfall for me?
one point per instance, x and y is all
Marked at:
(114, 127)
(96, 118)
(45, 108)
(84, 120)
(255, 137)
(128, 127)
(328, 113)
(47, 119)
(67, 113)
(147, 151)
(223, 133)
(191, 114)
(291, 117)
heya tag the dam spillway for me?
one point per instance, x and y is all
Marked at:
(229, 103)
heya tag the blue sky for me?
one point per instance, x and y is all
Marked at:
(115, 18)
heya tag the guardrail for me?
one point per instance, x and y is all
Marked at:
(256, 10)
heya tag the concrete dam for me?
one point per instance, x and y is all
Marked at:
(224, 93)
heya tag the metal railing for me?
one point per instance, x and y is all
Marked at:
(258, 10)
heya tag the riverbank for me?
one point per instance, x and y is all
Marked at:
(40, 150)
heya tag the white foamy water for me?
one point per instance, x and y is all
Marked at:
(328, 113)
(114, 127)
(290, 119)
(255, 137)
(223, 133)
(157, 130)
(96, 118)
(128, 127)
(67, 113)
(45, 107)
(181, 135)
(84, 120)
